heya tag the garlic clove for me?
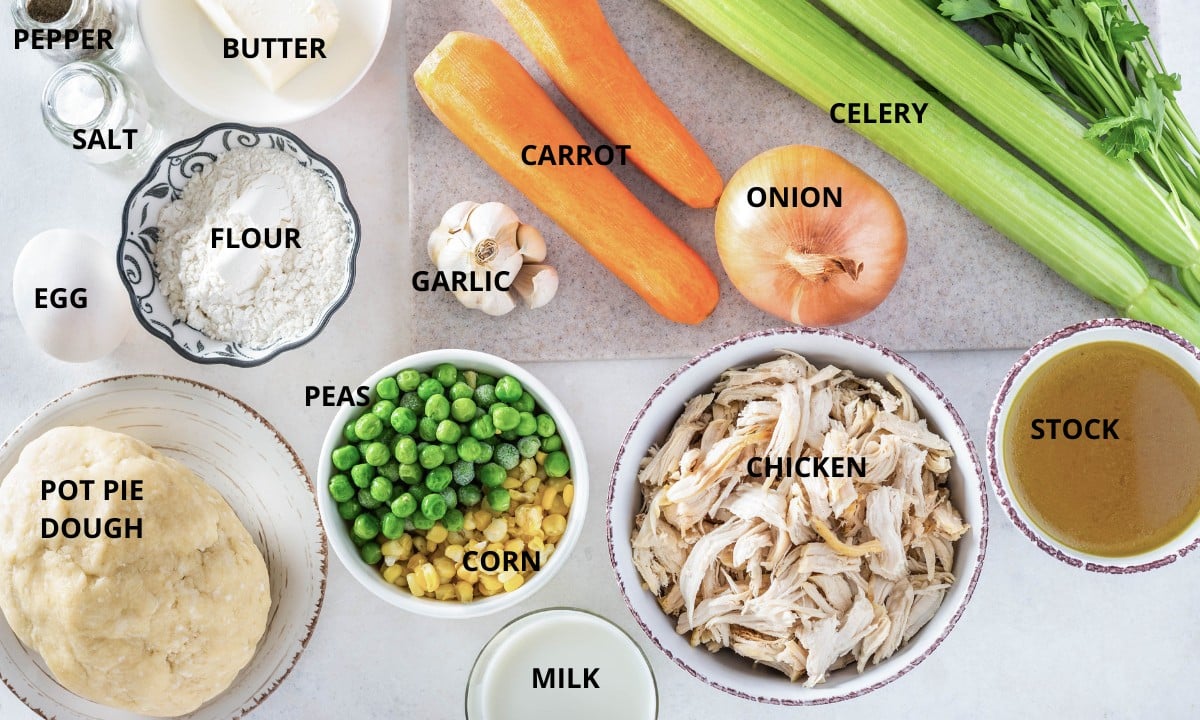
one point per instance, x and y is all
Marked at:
(536, 284)
(531, 243)
(493, 303)
(456, 217)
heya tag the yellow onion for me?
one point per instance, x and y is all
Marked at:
(811, 262)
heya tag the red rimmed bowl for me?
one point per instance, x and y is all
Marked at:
(1163, 341)
(725, 670)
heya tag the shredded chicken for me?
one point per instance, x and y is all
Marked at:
(797, 570)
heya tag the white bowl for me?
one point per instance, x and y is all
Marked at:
(725, 670)
(371, 579)
(187, 51)
(236, 451)
(1156, 338)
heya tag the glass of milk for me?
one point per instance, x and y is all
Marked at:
(561, 663)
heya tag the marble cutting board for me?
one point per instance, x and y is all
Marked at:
(964, 286)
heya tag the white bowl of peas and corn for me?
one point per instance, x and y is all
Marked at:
(452, 492)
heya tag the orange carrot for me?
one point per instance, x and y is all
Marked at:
(573, 42)
(484, 96)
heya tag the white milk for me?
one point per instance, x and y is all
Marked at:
(552, 642)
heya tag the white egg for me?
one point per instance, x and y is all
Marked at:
(69, 298)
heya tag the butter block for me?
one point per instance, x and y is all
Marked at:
(269, 30)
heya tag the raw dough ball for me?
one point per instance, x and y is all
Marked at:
(156, 626)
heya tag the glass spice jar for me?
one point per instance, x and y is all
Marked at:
(64, 16)
(91, 104)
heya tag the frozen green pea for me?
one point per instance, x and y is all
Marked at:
(485, 396)
(362, 474)
(482, 428)
(411, 473)
(377, 454)
(464, 472)
(453, 520)
(552, 443)
(469, 495)
(432, 457)
(492, 475)
(405, 450)
(525, 403)
(418, 492)
(450, 495)
(433, 506)
(463, 410)
(509, 435)
(557, 464)
(411, 401)
(546, 425)
(388, 388)
(437, 407)
(448, 431)
(498, 499)
(371, 553)
(408, 380)
(505, 418)
(508, 389)
(403, 420)
(382, 489)
(482, 378)
(460, 391)
(429, 388)
(439, 478)
(367, 500)
(345, 457)
(468, 449)
(368, 427)
(446, 374)
(527, 426)
(485, 454)
(391, 526)
(341, 489)
(421, 521)
(507, 456)
(528, 446)
(349, 434)
(427, 429)
(391, 471)
(383, 409)
(404, 505)
(349, 509)
(366, 526)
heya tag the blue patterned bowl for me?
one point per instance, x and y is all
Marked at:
(140, 235)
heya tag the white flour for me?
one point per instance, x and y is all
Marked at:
(252, 297)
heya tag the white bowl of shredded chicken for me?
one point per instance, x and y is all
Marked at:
(797, 517)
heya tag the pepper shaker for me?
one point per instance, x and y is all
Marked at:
(99, 112)
(67, 30)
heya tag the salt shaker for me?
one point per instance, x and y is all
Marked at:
(67, 30)
(100, 113)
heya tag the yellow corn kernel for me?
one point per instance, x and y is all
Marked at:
(497, 530)
(466, 591)
(495, 547)
(445, 592)
(535, 545)
(470, 576)
(559, 483)
(419, 544)
(568, 494)
(468, 522)
(490, 584)
(391, 548)
(532, 484)
(483, 518)
(455, 553)
(514, 545)
(445, 569)
(414, 585)
(511, 483)
(393, 572)
(455, 538)
(558, 506)
(540, 457)
(486, 591)
(529, 517)
(548, 497)
(437, 534)
(416, 561)
(528, 468)
(554, 525)
(428, 575)
(514, 582)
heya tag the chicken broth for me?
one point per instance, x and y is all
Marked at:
(1102, 448)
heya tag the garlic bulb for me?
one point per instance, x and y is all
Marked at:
(487, 247)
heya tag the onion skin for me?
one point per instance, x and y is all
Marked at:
(816, 266)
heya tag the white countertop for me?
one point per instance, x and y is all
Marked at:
(1039, 639)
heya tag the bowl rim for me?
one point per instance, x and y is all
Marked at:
(258, 698)
(273, 351)
(982, 530)
(312, 112)
(370, 579)
(1167, 553)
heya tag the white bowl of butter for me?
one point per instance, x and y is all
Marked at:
(265, 62)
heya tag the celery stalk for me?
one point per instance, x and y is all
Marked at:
(1010, 106)
(797, 45)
